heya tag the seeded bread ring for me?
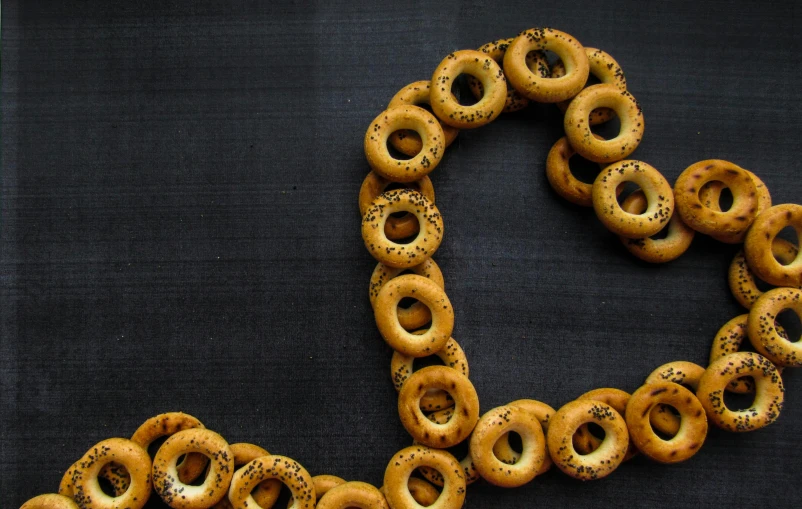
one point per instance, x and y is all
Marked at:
(353, 494)
(221, 467)
(132, 456)
(542, 413)
(763, 331)
(417, 315)
(285, 469)
(393, 254)
(432, 296)
(395, 227)
(267, 493)
(742, 279)
(112, 472)
(562, 180)
(685, 373)
(432, 475)
(584, 441)
(481, 67)
(693, 423)
(604, 67)
(408, 142)
(398, 118)
(422, 492)
(488, 430)
(709, 220)
(536, 62)
(663, 250)
(466, 406)
(769, 391)
(601, 462)
(323, 483)
(759, 243)
(535, 87)
(451, 354)
(710, 195)
(50, 501)
(164, 425)
(405, 461)
(654, 186)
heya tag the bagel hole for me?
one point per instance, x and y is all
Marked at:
(517, 446)
(596, 430)
(736, 402)
(106, 486)
(789, 320)
(583, 169)
(788, 234)
(154, 446)
(607, 130)
(407, 240)
(202, 477)
(725, 199)
(395, 153)
(626, 188)
(425, 362)
(662, 234)
(551, 57)
(463, 83)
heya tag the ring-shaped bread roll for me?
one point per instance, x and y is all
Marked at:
(758, 245)
(693, 423)
(488, 430)
(323, 483)
(164, 425)
(132, 456)
(769, 391)
(452, 355)
(417, 315)
(683, 373)
(536, 61)
(426, 291)
(285, 469)
(432, 475)
(481, 67)
(562, 180)
(711, 221)
(422, 492)
(395, 227)
(584, 441)
(654, 186)
(267, 493)
(577, 123)
(599, 463)
(50, 501)
(670, 247)
(542, 413)
(764, 333)
(406, 141)
(353, 494)
(404, 117)
(532, 85)
(114, 473)
(393, 254)
(405, 461)
(466, 406)
(742, 279)
(604, 67)
(710, 196)
(221, 467)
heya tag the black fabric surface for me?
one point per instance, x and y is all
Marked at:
(180, 230)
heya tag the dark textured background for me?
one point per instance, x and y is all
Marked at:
(180, 231)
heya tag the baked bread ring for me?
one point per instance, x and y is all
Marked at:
(323, 483)
(759, 245)
(221, 467)
(584, 441)
(164, 425)
(481, 67)
(426, 291)
(466, 407)
(408, 142)
(405, 461)
(535, 87)
(267, 493)
(763, 331)
(741, 278)
(285, 469)
(393, 254)
(50, 501)
(604, 67)
(670, 247)
(543, 413)
(124, 452)
(398, 118)
(432, 475)
(710, 196)
(452, 355)
(502, 420)
(536, 62)
(353, 494)
(654, 186)
(562, 180)
(599, 463)
(683, 373)
(395, 227)
(769, 391)
(692, 430)
(116, 475)
(417, 315)
(422, 492)
(709, 220)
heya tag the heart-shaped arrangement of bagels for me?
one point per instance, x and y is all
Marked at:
(196, 468)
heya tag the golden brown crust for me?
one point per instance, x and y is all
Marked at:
(452, 356)
(164, 425)
(584, 441)
(764, 333)
(285, 469)
(395, 227)
(408, 142)
(604, 67)
(741, 278)
(267, 493)
(353, 494)
(129, 454)
(669, 248)
(542, 413)
(50, 501)
(432, 475)
(679, 372)
(417, 315)
(405, 461)
(759, 245)
(562, 180)
(710, 195)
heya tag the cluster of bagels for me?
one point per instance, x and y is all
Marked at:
(665, 419)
